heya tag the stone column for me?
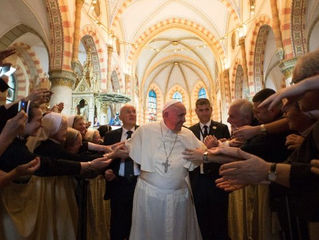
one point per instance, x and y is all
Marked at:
(223, 95)
(227, 86)
(127, 83)
(276, 29)
(76, 34)
(109, 70)
(286, 67)
(247, 88)
(61, 85)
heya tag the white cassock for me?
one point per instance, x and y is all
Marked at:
(163, 207)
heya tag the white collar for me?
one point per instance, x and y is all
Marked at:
(206, 124)
(126, 130)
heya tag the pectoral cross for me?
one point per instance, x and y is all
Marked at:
(166, 165)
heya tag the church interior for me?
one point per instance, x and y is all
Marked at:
(98, 55)
(144, 52)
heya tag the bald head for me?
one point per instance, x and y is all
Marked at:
(128, 116)
(174, 116)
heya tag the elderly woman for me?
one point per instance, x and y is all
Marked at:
(77, 122)
(55, 129)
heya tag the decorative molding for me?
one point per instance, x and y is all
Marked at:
(298, 27)
(62, 78)
(287, 66)
(56, 33)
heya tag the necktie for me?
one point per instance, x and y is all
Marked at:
(129, 134)
(205, 131)
(129, 166)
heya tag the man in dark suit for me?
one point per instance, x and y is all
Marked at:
(211, 203)
(121, 178)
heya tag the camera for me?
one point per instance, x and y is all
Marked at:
(24, 105)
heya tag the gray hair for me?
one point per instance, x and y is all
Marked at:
(245, 108)
(306, 66)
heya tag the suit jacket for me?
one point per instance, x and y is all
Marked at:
(219, 130)
(110, 138)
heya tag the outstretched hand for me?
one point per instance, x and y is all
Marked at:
(28, 168)
(292, 93)
(228, 185)
(250, 170)
(40, 96)
(245, 132)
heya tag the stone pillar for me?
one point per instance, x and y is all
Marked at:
(227, 86)
(246, 86)
(109, 70)
(127, 83)
(223, 96)
(286, 67)
(76, 34)
(61, 85)
(276, 29)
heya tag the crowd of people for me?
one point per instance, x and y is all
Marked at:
(164, 180)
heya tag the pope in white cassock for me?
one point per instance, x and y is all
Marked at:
(163, 206)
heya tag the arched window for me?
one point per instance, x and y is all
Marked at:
(11, 83)
(178, 96)
(152, 105)
(202, 93)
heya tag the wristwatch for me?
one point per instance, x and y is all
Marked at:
(205, 157)
(272, 174)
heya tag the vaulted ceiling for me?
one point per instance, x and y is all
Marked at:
(173, 42)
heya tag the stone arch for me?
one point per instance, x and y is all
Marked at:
(298, 18)
(239, 82)
(194, 96)
(126, 3)
(180, 23)
(31, 64)
(168, 58)
(56, 33)
(115, 81)
(99, 59)
(159, 103)
(314, 27)
(115, 66)
(259, 57)
(185, 97)
(259, 22)
(7, 39)
(233, 78)
(286, 29)
(89, 44)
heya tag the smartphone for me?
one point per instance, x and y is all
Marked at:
(24, 105)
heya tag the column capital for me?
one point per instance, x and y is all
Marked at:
(109, 49)
(226, 73)
(287, 66)
(241, 41)
(280, 53)
(62, 78)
